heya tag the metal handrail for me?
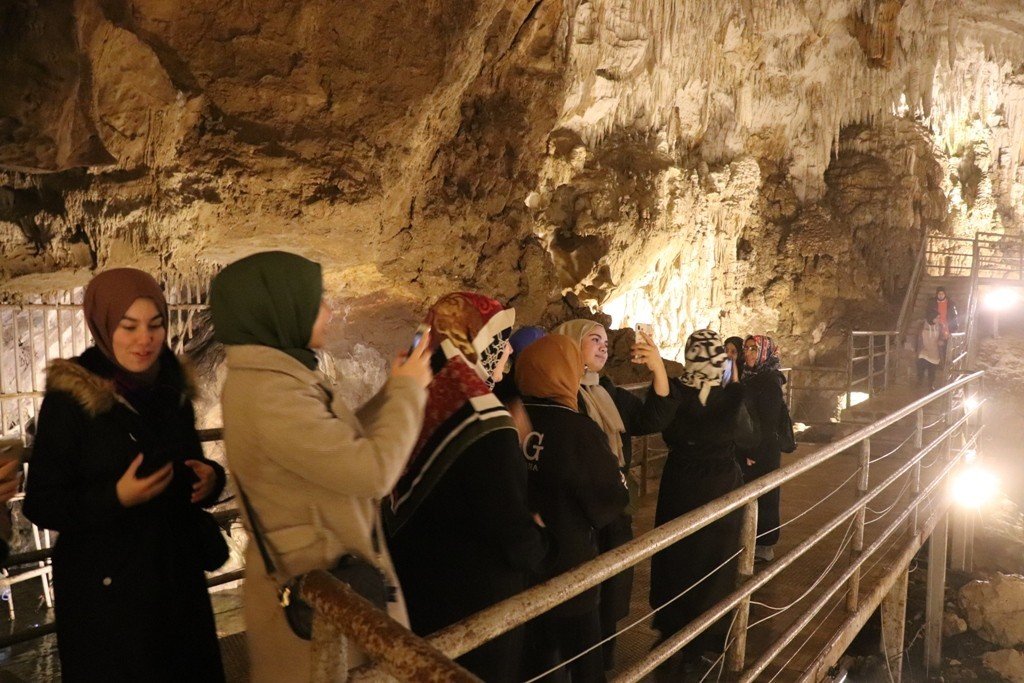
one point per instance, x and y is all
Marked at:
(502, 617)
(912, 286)
(341, 612)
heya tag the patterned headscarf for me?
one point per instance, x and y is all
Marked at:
(705, 362)
(767, 357)
(473, 327)
(470, 331)
(600, 406)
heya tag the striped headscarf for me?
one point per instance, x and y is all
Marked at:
(767, 357)
(705, 362)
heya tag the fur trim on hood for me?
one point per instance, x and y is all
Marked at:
(97, 394)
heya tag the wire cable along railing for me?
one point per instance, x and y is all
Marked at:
(910, 519)
(899, 523)
(396, 652)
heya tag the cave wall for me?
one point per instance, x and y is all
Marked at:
(756, 166)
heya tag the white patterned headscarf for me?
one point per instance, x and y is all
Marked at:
(705, 362)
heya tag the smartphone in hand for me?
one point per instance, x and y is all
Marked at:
(646, 330)
(417, 336)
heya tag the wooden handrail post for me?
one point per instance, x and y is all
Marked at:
(849, 370)
(853, 596)
(935, 595)
(737, 652)
(871, 364)
(885, 375)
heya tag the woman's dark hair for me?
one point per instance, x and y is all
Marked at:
(737, 342)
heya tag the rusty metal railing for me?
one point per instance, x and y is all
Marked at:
(871, 360)
(341, 613)
(498, 619)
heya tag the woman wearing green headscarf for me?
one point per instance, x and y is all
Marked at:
(621, 416)
(313, 471)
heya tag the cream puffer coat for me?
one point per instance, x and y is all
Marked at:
(314, 473)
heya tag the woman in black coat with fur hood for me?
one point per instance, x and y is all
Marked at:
(118, 471)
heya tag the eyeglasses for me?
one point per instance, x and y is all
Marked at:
(750, 348)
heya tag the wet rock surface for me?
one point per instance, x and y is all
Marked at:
(995, 608)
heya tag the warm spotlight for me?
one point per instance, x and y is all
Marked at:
(1001, 299)
(970, 455)
(974, 486)
(971, 403)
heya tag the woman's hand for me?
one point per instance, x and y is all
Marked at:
(416, 364)
(750, 463)
(10, 477)
(644, 352)
(202, 489)
(132, 490)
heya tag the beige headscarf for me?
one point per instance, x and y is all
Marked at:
(600, 406)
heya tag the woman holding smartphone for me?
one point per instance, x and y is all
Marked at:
(118, 470)
(313, 471)
(621, 416)
(458, 521)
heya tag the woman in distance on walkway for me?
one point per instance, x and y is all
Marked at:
(621, 416)
(763, 381)
(313, 470)
(576, 486)
(701, 466)
(458, 522)
(118, 471)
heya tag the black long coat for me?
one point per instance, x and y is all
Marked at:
(701, 466)
(575, 485)
(765, 403)
(472, 543)
(131, 596)
(641, 417)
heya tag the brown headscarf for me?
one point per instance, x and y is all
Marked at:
(600, 405)
(551, 368)
(108, 297)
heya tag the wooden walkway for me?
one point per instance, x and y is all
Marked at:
(830, 488)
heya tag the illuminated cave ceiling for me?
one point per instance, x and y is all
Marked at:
(754, 164)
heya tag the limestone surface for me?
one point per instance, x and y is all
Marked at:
(1008, 664)
(757, 166)
(994, 608)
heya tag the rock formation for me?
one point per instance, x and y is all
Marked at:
(993, 608)
(764, 165)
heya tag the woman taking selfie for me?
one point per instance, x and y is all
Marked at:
(118, 471)
(621, 416)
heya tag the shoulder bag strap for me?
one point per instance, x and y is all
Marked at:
(268, 561)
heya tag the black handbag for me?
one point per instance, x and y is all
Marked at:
(787, 439)
(213, 549)
(362, 576)
(747, 433)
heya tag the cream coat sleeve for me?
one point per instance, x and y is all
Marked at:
(299, 433)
